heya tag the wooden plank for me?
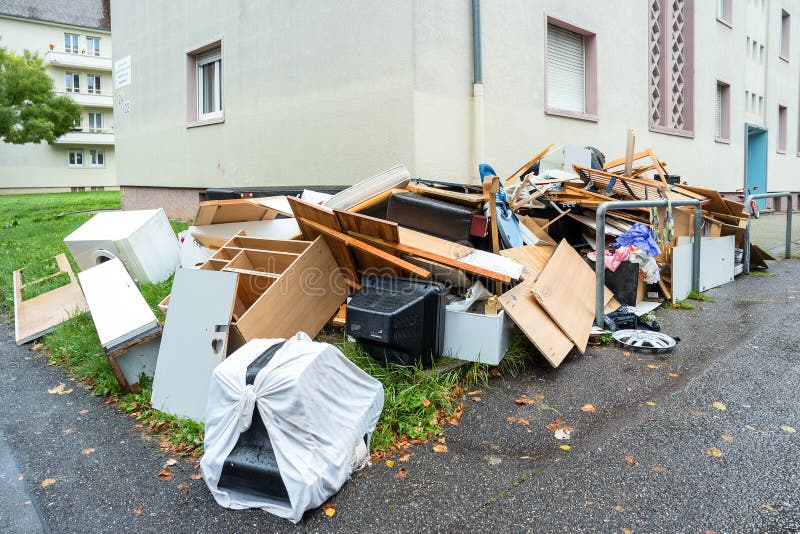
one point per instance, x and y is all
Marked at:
(378, 259)
(566, 289)
(533, 257)
(363, 224)
(298, 302)
(433, 244)
(536, 324)
(537, 231)
(467, 199)
(36, 316)
(629, 153)
(509, 181)
(278, 204)
(717, 203)
(234, 210)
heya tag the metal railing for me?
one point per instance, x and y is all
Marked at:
(746, 252)
(600, 264)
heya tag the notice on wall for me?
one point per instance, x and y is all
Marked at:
(122, 72)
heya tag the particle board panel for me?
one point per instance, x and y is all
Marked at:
(536, 324)
(279, 204)
(433, 244)
(371, 226)
(566, 290)
(533, 257)
(716, 203)
(228, 211)
(41, 314)
(466, 199)
(194, 341)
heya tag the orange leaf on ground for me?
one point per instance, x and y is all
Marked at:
(475, 392)
(511, 419)
(89, 450)
(523, 422)
(523, 399)
(401, 473)
(476, 399)
(440, 448)
(406, 457)
(766, 507)
(389, 463)
(558, 424)
(183, 486)
(657, 469)
(618, 508)
(426, 403)
(196, 476)
(727, 438)
(138, 510)
(48, 482)
(588, 408)
(165, 474)
(630, 460)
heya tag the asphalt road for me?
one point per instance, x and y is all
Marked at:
(740, 350)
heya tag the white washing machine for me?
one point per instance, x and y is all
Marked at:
(142, 239)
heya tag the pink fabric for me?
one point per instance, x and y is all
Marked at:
(614, 259)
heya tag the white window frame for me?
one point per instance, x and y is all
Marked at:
(207, 58)
(97, 157)
(93, 51)
(76, 82)
(74, 45)
(78, 155)
(93, 84)
(95, 121)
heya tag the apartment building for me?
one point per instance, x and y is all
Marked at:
(254, 94)
(74, 39)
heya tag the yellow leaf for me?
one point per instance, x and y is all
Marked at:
(565, 447)
(48, 482)
(390, 463)
(672, 375)
(712, 451)
(766, 507)
(588, 408)
(328, 509)
(727, 438)
(626, 531)
(652, 366)
(650, 403)
(788, 429)
(440, 448)
(87, 451)
(619, 508)
(719, 406)
(59, 389)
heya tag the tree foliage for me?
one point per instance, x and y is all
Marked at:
(30, 111)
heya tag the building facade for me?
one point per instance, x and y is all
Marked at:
(74, 41)
(255, 94)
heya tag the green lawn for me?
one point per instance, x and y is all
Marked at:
(32, 228)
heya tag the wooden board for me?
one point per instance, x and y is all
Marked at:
(371, 226)
(566, 290)
(537, 231)
(536, 324)
(227, 211)
(36, 316)
(435, 245)
(194, 341)
(466, 199)
(278, 204)
(533, 257)
(716, 203)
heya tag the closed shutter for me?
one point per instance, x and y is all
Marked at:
(566, 80)
(718, 113)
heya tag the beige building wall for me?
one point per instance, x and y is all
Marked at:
(40, 167)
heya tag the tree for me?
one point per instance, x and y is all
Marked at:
(30, 112)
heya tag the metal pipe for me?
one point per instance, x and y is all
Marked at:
(477, 60)
(478, 116)
(746, 252)
(600, 264)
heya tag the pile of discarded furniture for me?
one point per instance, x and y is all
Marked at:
(412, 269)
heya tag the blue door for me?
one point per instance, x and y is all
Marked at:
(756, 163)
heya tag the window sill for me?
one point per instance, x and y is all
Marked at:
(781, 56)
(591, 117)
(672, 131)
(205, 122)
(722, 140)
(727, 23)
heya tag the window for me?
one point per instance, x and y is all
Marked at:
(722, 113)
(671, 73)
(785, 28)
(782, 129)
(97, 157)
(71, 43)
(571, 71)
(724, 11)
(78, 124)
(95, 121)
(93, 83)
(204, 81)
(92, 46)
(76, 157)
(73, 82)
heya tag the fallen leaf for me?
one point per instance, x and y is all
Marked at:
(495, 372)
(82, 412)
(138, 510)
(475, 392)
(457, 391)
(618, 508)
(171, 461)
(196, 476)
(328, 509)
(652, 366)
(672, 375)
(440, 439)
(165, 444)
(719, 406)
(511, 419)
(165, 474)
(476, 399)
(727, 438)
(565, 447)
(183, 486)
(695, 412)
(788, 429)
(766, 507)
(89, 450)
(48, 482)
(626, 353)
(405, 457)
(69, 430)
(426, 403)
(523, 422)
(630, 460)
(523, 399)
(626, 531)
(650, 403)
(558, 424)
(389, 463)
(588, 408)
(440, 448)
(709, 531)
(712, 451)
(401, 473)
(657, 469)
(59, 389)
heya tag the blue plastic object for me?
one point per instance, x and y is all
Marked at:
(507, 223)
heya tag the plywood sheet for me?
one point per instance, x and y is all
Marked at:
(227, 211)
(307, 213)
(536, 324)
(371, 226)
(435, 245)
(194, 341)
(41, 314)
(566, 290)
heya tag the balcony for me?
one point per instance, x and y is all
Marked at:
(60, 58)
(102, 99)
(84, 135)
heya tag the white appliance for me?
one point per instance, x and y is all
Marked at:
(143, 240)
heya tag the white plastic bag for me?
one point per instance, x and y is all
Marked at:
(316, 406)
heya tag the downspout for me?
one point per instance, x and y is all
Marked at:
(479, 126)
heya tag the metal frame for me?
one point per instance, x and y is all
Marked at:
(600, 265)
(748, 198)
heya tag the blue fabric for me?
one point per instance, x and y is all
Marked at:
(639, 236)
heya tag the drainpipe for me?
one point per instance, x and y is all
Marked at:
(479, 127)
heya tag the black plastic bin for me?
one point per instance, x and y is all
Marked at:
(398, 320)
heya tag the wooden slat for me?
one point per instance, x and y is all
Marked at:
(433, 244)
(227, 211)
(363, 224)
(467, 199)
(278, 204)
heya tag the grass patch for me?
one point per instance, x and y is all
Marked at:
(683, 305)
(48, 284)
(38, 270)
(694, 295)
